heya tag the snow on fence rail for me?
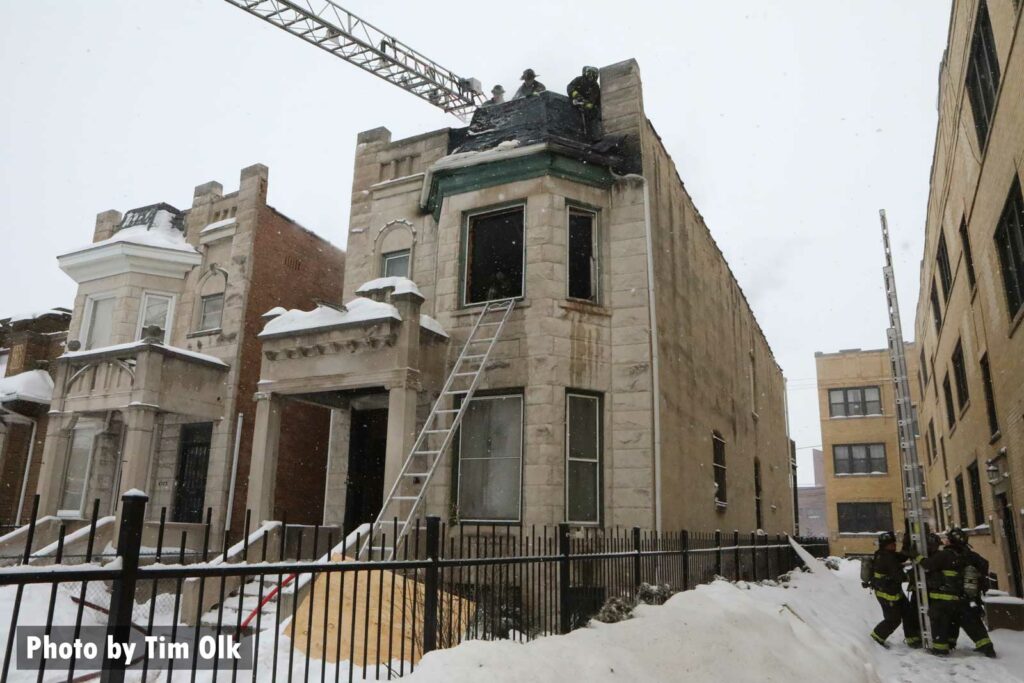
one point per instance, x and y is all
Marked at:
(310, 615)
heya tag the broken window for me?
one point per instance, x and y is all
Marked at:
(211, 311)
(99, 322)
(718, 464)
(582, 256)
(583, 459)
(395, 264)
(490, 459)
(494, 256)
(156, 312)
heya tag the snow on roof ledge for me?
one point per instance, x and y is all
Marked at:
(400, 285)
(139, 345)
(274, 312)
(219, 224)
(359, 310)
(35, 386)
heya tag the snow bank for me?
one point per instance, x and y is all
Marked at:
(33, 385)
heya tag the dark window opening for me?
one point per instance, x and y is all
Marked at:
(990, 398)
(942, 452)
(758, 511)
(718, 464)
(1010, 245)
(945, 274)
(582, 256)
(936, 308)
(961, 502)
(977, 506)
(858, 518)
(862, 458)
(960, 375)
(983, 74)
(965, 245)
(494, 256)
(950, 410)
(924, 368)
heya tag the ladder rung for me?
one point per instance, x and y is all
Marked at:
(489, 324)
(427, 452)
(436, 431)
(404, 498)
(479, 341)
(416, 474)
(475, 356)
(465, 374)
(453, 410)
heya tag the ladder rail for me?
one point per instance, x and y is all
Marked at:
(910, 465)
(503, 306)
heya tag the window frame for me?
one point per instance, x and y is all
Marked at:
(982, 49)
(990, 396)
(5, 359)
(876, 505)
(467, 225)
(758, 496)
(95, 427)
(499, 394)
(963, 393)
(936, 307)
(869, 459)
(597, 461)
(595, 253)
(88, 319)
(968, 255)
(977, 502)
(395, 255)
(1009, 239)
(168, 317)
(961, 501)
(202, 312)
(947, 391)
(847, 401)
(719, 469)
(942, 265)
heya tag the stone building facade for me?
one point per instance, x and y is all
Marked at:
(860, 440)
(29, 343)
(155, 390)
(970, 303)
(631, 385)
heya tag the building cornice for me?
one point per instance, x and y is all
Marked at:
(95, 263)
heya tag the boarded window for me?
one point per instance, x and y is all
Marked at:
(490, 459)
(583, 458)
(861, 458)
(1010, 245)
(859, 518)
(582, 256)
(395, 264)
(494, 256)
(718, 464)
(983, 74)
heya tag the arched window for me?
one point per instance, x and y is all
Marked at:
(210, 304)
(394, 248)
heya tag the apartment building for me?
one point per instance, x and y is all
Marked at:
(29, 343)
(970, 304)
(631, 384)
(155, 390)
(863, 472)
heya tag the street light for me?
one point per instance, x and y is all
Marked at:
(993, 474)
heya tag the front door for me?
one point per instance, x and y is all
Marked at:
(1012, 546)
(364, 491)
(193, 458)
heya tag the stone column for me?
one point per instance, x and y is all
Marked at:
(336, 487)
(263, 463)
(402, 397)
(137, 452)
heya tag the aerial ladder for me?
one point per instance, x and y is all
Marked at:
(332, 28)
(913, 485)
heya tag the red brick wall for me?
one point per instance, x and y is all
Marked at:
(290, 267)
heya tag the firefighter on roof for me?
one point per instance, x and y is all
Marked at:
(585, 93)
(530, 87)
(884, 574)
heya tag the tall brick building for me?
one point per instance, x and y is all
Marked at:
(155, 392)
(28, 345)
(632, 384)
(970, 307)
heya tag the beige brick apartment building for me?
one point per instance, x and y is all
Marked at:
(155, 389)
(860, 439)
(970, 308)
(632, 384)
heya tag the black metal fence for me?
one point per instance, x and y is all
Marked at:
(337, 618)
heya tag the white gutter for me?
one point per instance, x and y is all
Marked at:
(28, 468)
(655, 381)
(234, 475)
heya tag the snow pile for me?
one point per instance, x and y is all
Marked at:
(162, 236)
(129, 346)
(33, 385)
(401, 285)
(359, 310)
(35, 315)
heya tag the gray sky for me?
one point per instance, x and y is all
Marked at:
(791, 123)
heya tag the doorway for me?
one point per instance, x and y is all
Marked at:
(364, 489)
(190, 485)
(1012, 548)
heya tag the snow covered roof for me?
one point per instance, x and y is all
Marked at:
(36, 315)
(160, 236)
(275, 311)
(357, 311)
(137, 345)
(33, 385)
(401, 285)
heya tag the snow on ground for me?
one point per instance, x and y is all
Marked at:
(815, 628)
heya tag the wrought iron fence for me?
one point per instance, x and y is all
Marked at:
(335, 617)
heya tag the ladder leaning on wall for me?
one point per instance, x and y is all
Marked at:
(405, 498)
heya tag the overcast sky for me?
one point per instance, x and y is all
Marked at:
(791, 123)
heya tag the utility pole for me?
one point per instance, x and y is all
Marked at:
(913, 486)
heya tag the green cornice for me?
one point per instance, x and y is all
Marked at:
(452, 181)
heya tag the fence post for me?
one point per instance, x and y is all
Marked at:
(778, 556)
(431, 585)
(753, 555)
(718, 552)
(636, 558)
(684, 547)
(122, 597)
(736, 554)
(564, 620)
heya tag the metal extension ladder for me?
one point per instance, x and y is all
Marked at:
(405, 498)
(913, 486)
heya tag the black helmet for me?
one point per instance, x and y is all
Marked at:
(886, 538)
(528, 74)
(957, 536)
(934, 542)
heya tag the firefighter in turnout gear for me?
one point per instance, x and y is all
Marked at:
(886, 578)
(957, 578)
(585, 93)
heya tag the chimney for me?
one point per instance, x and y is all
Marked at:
(106, 225)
